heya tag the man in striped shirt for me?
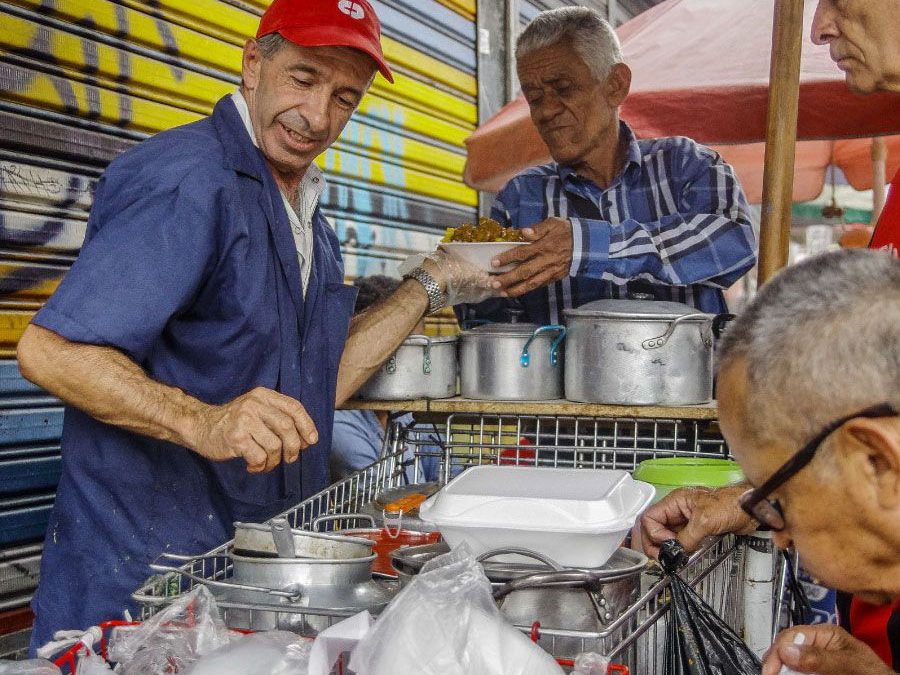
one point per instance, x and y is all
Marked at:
(612, 215)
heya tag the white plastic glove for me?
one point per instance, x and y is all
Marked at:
(462, 282)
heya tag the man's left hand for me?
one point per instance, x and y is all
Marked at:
(546, 259)
(826, 649)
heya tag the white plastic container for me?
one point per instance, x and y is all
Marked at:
(577, 517)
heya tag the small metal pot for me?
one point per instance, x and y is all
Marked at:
(639, 352)
(262, 591)
(422, 367)
(511, 362)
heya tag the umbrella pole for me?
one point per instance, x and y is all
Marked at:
(879, 176)
(781, 137)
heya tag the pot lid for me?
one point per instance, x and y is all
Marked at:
(416, 340)
(502, 330)
(624, 562)
(635, 310)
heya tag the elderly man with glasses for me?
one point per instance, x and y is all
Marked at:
(809, 389)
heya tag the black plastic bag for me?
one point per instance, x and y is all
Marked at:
(797, 603)
(699, 642)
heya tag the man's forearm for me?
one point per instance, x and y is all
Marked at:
(375, 335)
(109, 386)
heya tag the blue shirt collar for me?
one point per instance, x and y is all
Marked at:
(633, 159)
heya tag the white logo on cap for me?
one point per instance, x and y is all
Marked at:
(352, 9)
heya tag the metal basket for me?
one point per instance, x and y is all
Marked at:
(636, 638)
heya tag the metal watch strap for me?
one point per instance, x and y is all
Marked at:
(436, 297)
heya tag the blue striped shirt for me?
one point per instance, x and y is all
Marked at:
(673, 223)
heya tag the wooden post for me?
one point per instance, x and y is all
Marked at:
(781, 137)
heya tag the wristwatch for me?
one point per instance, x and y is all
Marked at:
(436, 297)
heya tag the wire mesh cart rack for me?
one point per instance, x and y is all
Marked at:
(459, 440)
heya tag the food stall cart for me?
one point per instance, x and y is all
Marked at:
(554, 433)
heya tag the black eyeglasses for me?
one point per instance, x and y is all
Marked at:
(767, 511)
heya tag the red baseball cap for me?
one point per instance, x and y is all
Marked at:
(327, 23)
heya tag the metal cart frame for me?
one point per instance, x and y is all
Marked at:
(636, 638)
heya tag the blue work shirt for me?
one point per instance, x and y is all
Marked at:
(673, 223)
(189, 268)
(357, 441)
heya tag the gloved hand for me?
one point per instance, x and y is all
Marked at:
(462, 282)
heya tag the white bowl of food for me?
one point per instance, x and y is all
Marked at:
(480, 253)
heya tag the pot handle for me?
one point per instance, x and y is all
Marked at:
(720, 322)
(525, 358)
(527, 552)
(293, 596)
(390, 521)
(661, 340)
(391, 364)
(342, 516)
(565, 578)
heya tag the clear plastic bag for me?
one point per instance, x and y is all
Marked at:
(92, 664)
(29, 667)
(172, 639)
(446, 623)
(590, 664)
(270, 653)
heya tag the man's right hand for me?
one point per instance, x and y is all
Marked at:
(691, 514)
(262, 427)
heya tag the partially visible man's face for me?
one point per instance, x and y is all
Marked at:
(301, 98)
(831, 531)
(569, 107)
(864, 38)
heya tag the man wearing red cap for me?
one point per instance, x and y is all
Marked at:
(203, 336)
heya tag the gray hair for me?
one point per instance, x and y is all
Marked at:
(821, 340)
(270, 44)
(589, 34)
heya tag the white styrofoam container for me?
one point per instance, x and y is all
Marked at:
(577, 517)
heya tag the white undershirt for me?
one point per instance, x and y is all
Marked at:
(308, 194)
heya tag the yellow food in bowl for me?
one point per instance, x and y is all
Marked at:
(487, 230)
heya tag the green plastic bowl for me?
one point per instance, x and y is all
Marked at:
(667, 474)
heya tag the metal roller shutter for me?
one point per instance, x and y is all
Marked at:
(83, 80)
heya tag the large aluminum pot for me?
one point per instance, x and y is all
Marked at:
(422, 367)
(585, 600)
(511, 362)
(639, 352)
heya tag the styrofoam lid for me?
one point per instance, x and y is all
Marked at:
(556, 500)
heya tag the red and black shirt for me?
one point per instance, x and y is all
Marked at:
(876, 625)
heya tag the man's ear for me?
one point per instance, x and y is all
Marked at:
(250, 65)
(872, 449)
(618, 84)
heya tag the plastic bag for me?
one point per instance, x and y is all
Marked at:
(270, 653)
(29, 667)
(699, 642)
(590, 664)
(797, 603)
(172, 639)
(92, 664)
(446, 623)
